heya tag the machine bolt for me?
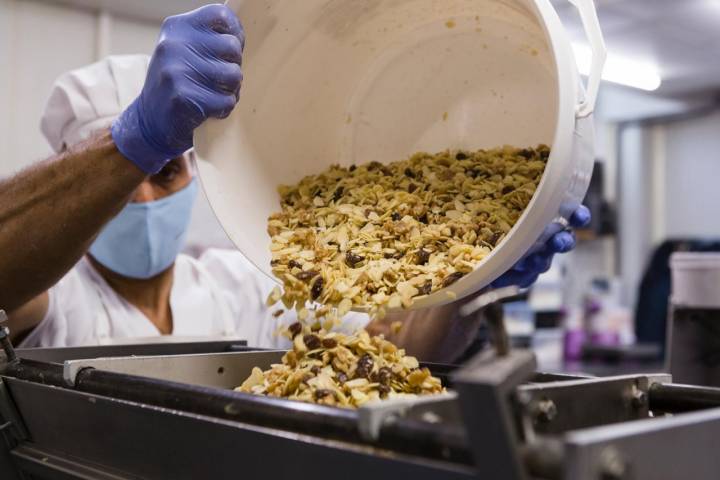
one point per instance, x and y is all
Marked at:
(545, 411)
(639, 399)
(5, 339)
(612, 465)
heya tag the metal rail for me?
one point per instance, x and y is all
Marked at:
(671, 398)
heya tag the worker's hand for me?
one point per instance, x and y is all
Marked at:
(194, 75)
(527, 270)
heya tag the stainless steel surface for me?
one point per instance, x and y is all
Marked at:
(224, 370)
(558, 407)
(372, 416)
(146, 441)
(491, 296)
(680, 447)
(229, 370)
(127, 418)
(10, 416)
(59, 355)
(487, 387)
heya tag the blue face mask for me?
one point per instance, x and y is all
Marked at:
(144, 238)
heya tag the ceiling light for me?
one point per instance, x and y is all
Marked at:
(632, 73)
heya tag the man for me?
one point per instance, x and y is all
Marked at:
(133, 283)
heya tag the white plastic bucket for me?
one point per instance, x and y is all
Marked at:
(695, 279)
(354, 81)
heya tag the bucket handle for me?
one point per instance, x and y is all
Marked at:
(591, 24)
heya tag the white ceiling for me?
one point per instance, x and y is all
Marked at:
(681, 36)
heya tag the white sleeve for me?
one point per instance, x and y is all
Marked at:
(52, 330)
(248, 288)
(69, 320)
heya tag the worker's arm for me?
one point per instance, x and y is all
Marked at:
(442, 334)
(50, 213)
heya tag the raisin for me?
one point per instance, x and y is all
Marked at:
(527, 153)
(452, 278)
(385, 375)
(338, 193)
(461, 156)
(294, 264)
(507, 189)
(322, 393)
(342, 378)
(477, 172)
(374, 166)
(409, 173)
(315, 369)
(425, 288)
(365, 362)
(396, 217)
(364, 366)
(312, 341)
(423, 256)
(274, 263)
(329, 343)
(306, 276)
(317, 288)
(412, 187)
(386, 171)
(352, 259)
(423, 219)
(295, 329)
(352, 168)
(494, 239)
(384, 389)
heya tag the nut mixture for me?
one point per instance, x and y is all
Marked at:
(379, 236)
(341, 370)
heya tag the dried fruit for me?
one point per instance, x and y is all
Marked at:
(425, 288)
(375, 236)
(423, 256)
(295, 329)
(317, 288)
(347, 371)
(352, 259)
(312, 342)
(452, 278)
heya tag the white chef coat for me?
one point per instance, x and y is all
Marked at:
(221, 295)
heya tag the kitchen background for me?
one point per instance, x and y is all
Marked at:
(658, 158)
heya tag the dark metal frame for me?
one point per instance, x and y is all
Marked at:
(507, 422)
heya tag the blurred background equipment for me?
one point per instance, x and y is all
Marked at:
(655, 184)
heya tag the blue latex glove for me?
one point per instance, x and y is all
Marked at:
(527, 270)
(194, 75)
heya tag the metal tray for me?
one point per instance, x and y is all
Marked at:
(228, 370)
